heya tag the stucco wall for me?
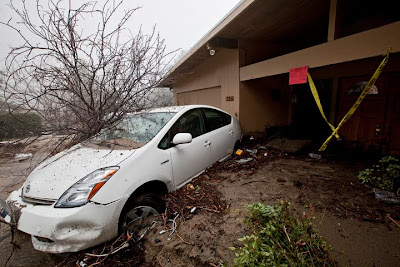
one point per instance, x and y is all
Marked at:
(209, 96)
(264, 102)
(220, 70)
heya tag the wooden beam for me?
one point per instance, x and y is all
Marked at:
(335, 95)
(362, 45)
(332, 20)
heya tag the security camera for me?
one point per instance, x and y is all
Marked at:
(212, 51)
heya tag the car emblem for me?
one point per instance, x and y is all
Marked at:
(28, 187)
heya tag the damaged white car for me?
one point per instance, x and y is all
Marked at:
(89, 193)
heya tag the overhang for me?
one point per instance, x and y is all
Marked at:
(374, 42)
(259, 20)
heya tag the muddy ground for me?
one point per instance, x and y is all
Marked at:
(347, 215)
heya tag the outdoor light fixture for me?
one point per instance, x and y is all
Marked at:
(212, 51)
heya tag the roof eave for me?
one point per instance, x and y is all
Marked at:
(167, 81)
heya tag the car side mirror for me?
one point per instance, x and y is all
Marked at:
(182, 138)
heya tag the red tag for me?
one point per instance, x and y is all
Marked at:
(298, 75)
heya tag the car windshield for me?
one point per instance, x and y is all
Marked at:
(134, 131)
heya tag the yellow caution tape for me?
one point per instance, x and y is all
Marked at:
(359, 100)
(317, 100)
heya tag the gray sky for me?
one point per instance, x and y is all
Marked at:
(180, 22)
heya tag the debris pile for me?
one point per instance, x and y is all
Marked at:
(246, 159)
(123, 251)
(200, 194)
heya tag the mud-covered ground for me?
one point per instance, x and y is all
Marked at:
(347, 215)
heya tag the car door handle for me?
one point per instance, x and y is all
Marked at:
(231, 132)
(207, 143)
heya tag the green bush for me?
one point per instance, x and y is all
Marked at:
(19, 125)
(280, 238)
(384, 175)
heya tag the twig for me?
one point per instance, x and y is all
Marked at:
(104, 248)
(323, 215)
(13, 247)
(112, 251)
(284, 229)
(393, 220)
(147, 229)
(207, 209)
(183, 240)
(107, 254)
(190, 197)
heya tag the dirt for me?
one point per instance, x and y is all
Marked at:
(347, 215)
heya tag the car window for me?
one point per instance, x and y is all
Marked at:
(139, 128)
(190, 122)
(215, 119)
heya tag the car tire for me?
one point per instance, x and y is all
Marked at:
(139, 212)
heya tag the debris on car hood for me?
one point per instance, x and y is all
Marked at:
(55, 175)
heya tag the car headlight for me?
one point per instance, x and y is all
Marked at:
(82, 191)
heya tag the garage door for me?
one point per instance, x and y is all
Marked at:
(209, 96)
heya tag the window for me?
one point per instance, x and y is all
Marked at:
(135, 130)
(356, 89)
(190, 122)
(215, 119)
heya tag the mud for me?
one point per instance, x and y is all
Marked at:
(347, 215)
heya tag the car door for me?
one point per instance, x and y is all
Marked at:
(220, 132)
(188, 159)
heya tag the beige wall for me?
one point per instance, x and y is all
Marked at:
(258, 109)
(219, 71)
(209, 96)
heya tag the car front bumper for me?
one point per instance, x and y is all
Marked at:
(59, 230)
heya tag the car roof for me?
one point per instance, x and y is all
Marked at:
(175, 108)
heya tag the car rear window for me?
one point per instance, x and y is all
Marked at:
(215, 119)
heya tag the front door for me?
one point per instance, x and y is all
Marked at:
(392, 122)
(376, 123)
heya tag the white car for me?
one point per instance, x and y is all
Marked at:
(89, 193)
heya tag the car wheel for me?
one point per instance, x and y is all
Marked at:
(140, 213)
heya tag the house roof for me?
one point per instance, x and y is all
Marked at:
(277, 21)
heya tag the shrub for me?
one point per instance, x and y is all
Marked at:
(384, 175)
(19, 125)
(280, 238)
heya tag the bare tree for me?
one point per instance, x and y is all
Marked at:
(80, 80)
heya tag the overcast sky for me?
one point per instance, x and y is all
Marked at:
(180, 22)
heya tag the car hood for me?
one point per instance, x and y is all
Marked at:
(55, 175)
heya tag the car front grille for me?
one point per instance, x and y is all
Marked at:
(38, 201)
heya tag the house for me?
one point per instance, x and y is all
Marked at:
(242, 66)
